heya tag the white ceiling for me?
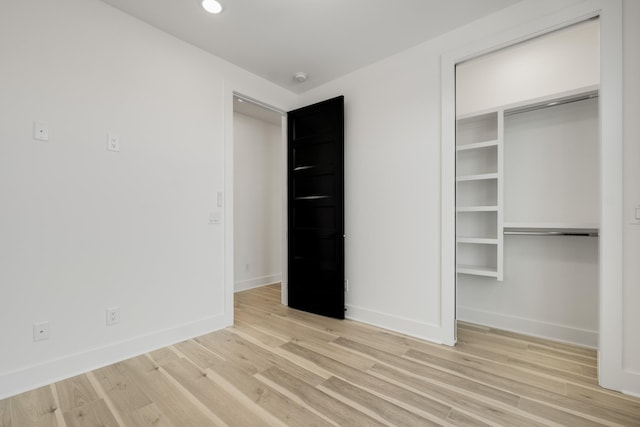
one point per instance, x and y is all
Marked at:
(324, 38)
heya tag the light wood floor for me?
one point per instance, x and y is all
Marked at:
(279, 366)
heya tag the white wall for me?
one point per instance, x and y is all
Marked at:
(393, 177)
(560, 61)
(392, 190)
(84, 229)
(631, 135)
(258, 167)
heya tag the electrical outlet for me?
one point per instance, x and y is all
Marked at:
(113, 316)
(40, 131)
(40, 331)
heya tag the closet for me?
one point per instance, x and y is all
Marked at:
(527, 187)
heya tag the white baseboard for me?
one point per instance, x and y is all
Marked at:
(15, 382)
(422, 330)
(257, 282)
(552, 331)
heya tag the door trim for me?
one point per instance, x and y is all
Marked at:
(611, 370)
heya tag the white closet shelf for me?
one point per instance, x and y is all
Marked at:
(477, 271)
(479, 177)
(476, 145)
(478, 240)
(477, 209)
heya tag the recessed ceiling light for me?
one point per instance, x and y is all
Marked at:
(212, 6)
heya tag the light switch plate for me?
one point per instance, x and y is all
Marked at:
(113, 142)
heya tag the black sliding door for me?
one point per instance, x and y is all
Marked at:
(316, 208)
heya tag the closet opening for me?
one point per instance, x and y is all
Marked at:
(259, 191)
(528, 187)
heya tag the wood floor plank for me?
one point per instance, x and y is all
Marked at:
(544, 396)
(461, 326)
(179, 407)
(282, 407)
(214, 396)
(392, 392)
(500, 414)
(527, 364)
(527, 354)
(294, 330)
(570, 348)
(341, 413)
(252, 358)
(149, 416)
(458, 418)
(557, 415)
(5, 413)
(266, 338)
(338, 353)
(125, 395)
(75, 392)
(591, 361)
(90, 414)
(390, 412)
(493, 386)
(35, 408)
(507, 355)
(198, 354)
(589, 371)
(604, 399)
(164, 356)
(506, 373)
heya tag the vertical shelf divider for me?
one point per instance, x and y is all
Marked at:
(500, 212)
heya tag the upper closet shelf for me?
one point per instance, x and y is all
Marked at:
(478, 177)
(477, 145)
(477, 209)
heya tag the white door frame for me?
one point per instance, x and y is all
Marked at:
(611, 369)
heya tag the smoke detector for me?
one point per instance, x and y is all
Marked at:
(300, 77)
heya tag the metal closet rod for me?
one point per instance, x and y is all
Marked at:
(258, 103)
(551, 233)
(549, 104)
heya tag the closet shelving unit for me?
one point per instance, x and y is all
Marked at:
(480, 225)
(479, 234)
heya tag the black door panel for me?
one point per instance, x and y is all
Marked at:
(316, 208)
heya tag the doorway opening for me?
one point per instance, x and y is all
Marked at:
(259, 194)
